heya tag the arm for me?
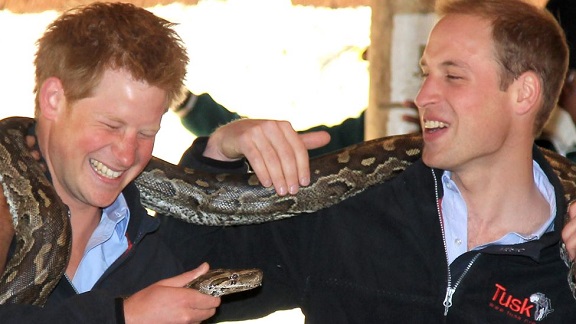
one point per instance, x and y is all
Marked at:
(278, 248)
(201, 115)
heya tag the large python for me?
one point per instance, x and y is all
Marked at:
(43, 231)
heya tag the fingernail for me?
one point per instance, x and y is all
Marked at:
(294, 189)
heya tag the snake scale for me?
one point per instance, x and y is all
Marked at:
(43, 231)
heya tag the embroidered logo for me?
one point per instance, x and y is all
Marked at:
(536, 307)
(543, 307)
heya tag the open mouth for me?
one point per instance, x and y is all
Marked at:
(103, 170)
(434, 125)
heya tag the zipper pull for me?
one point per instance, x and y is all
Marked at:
(448, 299)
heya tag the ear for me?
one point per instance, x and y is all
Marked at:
(51, 98)
(528, 91)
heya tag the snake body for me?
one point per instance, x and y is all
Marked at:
(232, 199)
(43, 230)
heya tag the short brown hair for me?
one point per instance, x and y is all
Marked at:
(85, 41)
(526, 38)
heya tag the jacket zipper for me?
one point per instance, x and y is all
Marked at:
(450, 290)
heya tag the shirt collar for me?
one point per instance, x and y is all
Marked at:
(118, 213)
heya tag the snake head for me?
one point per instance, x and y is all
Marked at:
(220, 282)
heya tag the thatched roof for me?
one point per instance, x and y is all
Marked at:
(31, 6)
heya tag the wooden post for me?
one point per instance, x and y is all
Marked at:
(398, 34)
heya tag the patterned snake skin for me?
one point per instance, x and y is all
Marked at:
(43, 243)
(220, 282)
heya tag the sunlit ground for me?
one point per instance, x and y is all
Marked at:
(262, 58)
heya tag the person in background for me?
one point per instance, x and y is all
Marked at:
(470, 233)
(101, 92)
(201, 115)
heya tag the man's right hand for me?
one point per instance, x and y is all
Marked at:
(277, 154)
(168, 302)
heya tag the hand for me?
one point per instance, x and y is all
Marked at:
(277, 154)
(168, 302)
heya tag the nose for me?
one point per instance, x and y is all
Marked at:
(125, 148)
(427, 94)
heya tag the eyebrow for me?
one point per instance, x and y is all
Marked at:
(448, 63)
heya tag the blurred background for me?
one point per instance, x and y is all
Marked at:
(261, 58)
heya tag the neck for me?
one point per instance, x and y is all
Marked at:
(500, 201)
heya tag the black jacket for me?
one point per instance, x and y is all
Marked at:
(379, 257)
(147, 261)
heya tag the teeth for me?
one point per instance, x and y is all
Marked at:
(434, 124)
(103, 170)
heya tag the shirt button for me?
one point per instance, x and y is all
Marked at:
(458, 241)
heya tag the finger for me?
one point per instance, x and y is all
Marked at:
(203, 302)
(295, 161)
(409, 104)
(257, 150)
(313, 140)
(278, 159)
(293, 153)
(30, 143)
(301, 143)
(184, 278)
(411, 119)
(200, 270)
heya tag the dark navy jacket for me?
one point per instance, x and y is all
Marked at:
(145, 262)
(379, 257)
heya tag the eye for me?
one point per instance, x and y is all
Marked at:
(147, 134)
(453, 77)
(112, 126)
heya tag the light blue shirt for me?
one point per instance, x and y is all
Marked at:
(455, 216)
(106, 244)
